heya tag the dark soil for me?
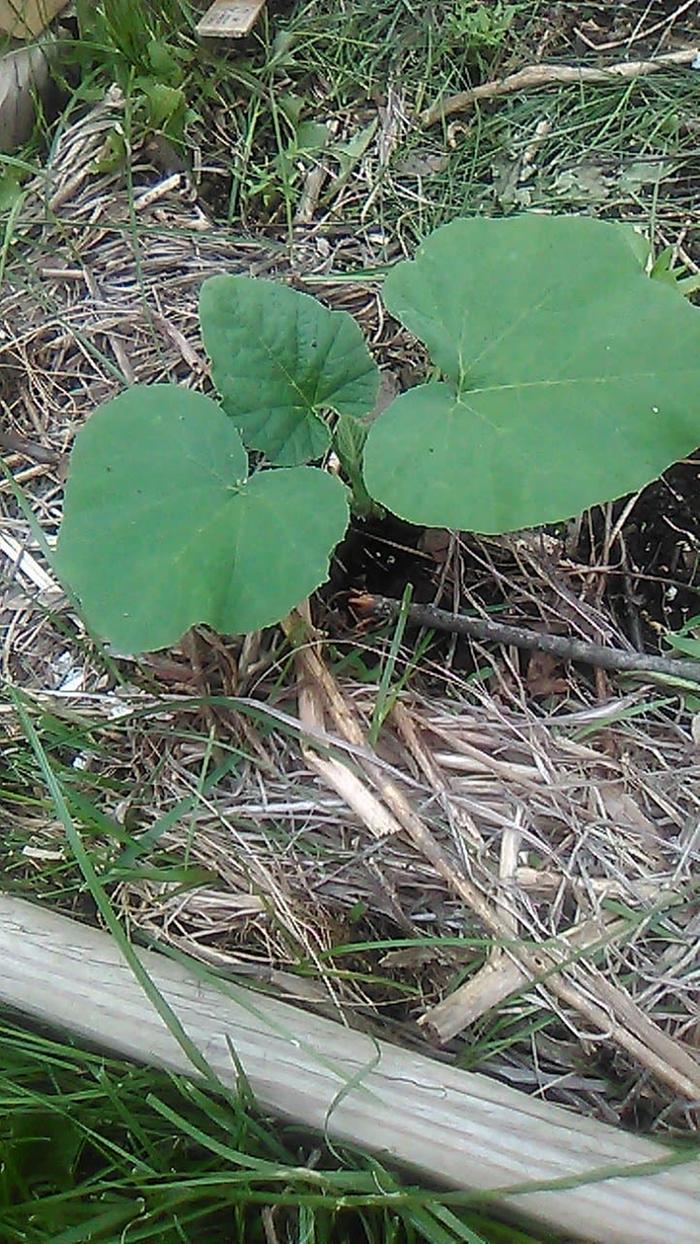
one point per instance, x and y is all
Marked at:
(652, 585)
(662, 546)
(381, 556)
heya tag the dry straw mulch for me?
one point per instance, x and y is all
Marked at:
(553, 847)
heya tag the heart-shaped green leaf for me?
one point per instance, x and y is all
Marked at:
(571, 378)
(163, 529)
(280, 359)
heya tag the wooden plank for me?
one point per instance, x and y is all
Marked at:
(24, 77)
(452, 1127)
(230, 19)
(24, 19)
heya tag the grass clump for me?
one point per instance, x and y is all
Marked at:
(337, 88)
(96, 1149)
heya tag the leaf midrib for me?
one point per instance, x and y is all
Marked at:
(653, 373)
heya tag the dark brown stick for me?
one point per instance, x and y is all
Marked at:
(28, 449)
(521, 637)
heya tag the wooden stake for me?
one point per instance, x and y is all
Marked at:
(24, 19)
(229, 19)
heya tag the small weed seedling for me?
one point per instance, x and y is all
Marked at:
(567, 377)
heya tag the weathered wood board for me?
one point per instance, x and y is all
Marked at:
(449, 1126)
(24, 78)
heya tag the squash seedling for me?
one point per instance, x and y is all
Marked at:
(567, 377)
(163, 525)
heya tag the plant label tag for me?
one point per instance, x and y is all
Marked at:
(229, 19)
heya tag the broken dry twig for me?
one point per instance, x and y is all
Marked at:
(534, 77)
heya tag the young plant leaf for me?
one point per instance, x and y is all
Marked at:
(280, 359)
(349, 444)
(687, 640)
(163, 529)
(570, 377)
